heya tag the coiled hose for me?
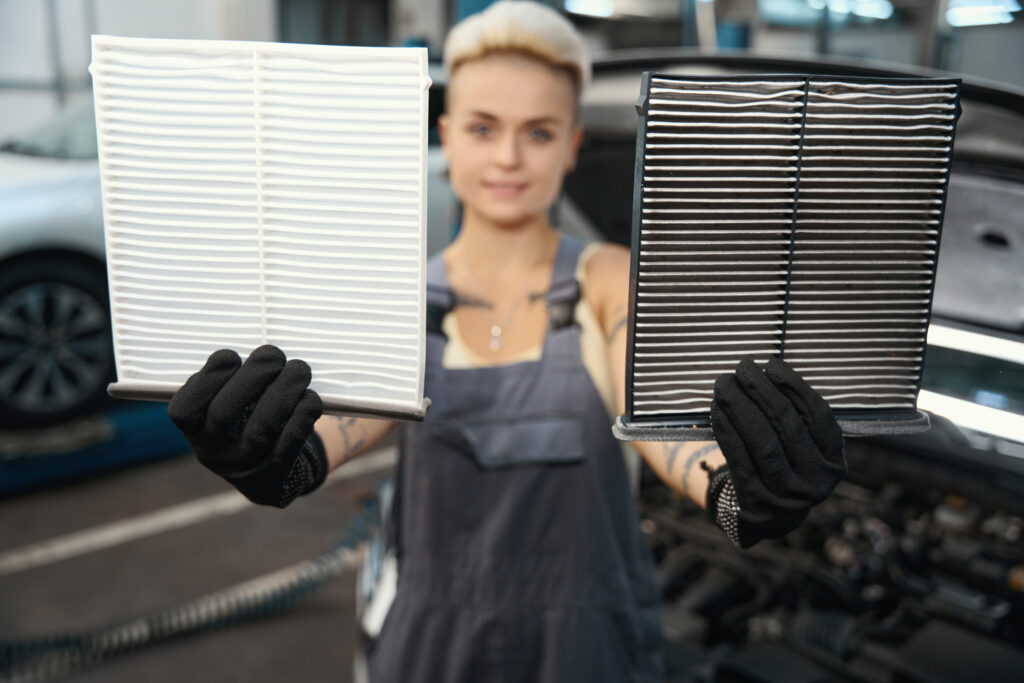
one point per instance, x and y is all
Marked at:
(47, 658)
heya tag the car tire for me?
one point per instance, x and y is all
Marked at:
(56, 350)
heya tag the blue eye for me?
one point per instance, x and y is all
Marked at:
(540, 135)
(480, 130)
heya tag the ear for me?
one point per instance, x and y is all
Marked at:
(574, 148)
(442, 133)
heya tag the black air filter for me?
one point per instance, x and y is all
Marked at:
(785, 216)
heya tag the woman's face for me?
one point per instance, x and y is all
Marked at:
(509, 137)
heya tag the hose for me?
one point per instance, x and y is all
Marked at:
(47, 658)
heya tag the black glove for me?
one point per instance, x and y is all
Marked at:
(252, 424)
(783, 449)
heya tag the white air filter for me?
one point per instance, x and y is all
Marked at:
(785, 216)
(261, 193)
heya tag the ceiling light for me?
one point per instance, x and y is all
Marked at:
(592, 8)
(981, 12)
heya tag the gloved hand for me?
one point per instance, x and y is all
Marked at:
(252, 424)
(782, 446)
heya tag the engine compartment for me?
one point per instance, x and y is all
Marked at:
(913, 570)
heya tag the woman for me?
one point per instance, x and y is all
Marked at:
(520, 556)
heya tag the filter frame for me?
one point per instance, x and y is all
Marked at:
(305, 198)
(695, 425)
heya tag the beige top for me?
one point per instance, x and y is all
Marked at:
(593, 344)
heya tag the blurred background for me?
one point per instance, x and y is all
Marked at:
(113, 540)
(44, 44)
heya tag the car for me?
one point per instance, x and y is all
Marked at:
(56, 355)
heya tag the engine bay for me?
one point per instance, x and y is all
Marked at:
(913, 570)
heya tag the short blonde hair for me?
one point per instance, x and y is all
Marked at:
(519, 27)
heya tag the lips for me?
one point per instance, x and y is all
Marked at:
(504, 189)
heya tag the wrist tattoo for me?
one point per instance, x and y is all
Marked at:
(344, 435)
(692, 459)
(352, 444)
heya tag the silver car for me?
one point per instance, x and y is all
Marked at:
(55, 349)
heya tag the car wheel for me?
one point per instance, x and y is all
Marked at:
(56, 353)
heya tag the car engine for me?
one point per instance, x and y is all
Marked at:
(913, 570)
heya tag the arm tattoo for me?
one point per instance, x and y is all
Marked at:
(690, 461)
(344, 435)
(618, 326)
(619, 310)
(352, 445)
(671, 450)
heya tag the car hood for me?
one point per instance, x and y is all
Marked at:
(989, 130)
(20, 171)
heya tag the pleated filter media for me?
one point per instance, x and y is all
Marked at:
(785, 216)
(266, 193)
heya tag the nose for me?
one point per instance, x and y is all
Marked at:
(507, 153)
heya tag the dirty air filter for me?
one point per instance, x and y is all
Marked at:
(265, 193)
(785, 216)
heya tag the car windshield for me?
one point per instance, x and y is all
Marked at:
(69, 135)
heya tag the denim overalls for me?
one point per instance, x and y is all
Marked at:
(519, 551)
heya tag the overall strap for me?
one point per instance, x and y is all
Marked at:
(561, 297)
(440, 297)
(561, 341)
(565, 291)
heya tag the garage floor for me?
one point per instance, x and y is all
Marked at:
(126, 544)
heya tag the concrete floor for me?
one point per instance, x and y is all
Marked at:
(134, 578)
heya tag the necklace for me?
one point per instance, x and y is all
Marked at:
(497, 328)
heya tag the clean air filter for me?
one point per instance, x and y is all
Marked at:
(785, 216)
(265, 193)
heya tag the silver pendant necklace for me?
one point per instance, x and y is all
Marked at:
(497, 328)
(496, 339)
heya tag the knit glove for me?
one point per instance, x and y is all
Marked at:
(783, 451)
(252, 424)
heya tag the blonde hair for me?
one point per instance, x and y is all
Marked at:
(519, 27)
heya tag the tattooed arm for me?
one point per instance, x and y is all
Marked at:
(684, 465)
(677, 464)
(347, 437)
(784, 446)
